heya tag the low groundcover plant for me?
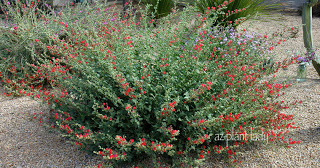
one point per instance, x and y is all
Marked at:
(122, 88)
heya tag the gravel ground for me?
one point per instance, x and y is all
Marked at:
(24, 143)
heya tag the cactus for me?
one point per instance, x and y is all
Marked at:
(307, 30)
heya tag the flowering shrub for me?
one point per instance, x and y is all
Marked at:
(123, 89)
(24, 27)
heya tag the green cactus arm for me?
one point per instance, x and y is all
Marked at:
(307, 25)
(313, 2)
(307, 31)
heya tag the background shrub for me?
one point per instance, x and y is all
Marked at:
(23, 25)
(124, 89)
(26, 34)
(235, 10)
(160, 8)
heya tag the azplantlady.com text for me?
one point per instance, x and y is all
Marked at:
(241, 137)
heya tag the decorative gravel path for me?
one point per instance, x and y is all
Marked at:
(24, 143)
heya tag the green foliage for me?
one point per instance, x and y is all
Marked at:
(124, 89)
(235, 10)
(22, 27)
(160, 8)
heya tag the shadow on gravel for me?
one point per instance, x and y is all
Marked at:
(311, 135)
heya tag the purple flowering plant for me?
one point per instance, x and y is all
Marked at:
(309, 56)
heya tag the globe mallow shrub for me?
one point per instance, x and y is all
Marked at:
(125, 89)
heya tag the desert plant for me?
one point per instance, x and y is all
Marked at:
(307, 31)
(160, 8)
(19, 36)
(24, 25)
(124, 89)
(235, 9)
(315, 10)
